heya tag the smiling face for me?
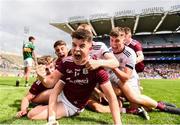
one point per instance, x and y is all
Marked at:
(61, 51)
(80, 50)
(117, 38)
(116, 44)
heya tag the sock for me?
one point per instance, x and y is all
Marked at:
(132, 110)
(161, 106)
(26, 82)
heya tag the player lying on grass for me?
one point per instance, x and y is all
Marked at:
(38, 93)
(71, 93)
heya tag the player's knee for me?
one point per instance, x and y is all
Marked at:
(30, 115)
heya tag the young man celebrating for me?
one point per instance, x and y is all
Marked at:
(126, 77)
(76, 84)
(28, 56)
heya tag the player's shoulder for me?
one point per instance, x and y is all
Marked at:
(67, 59)
(97, 45)
(128, 51)
(135, 42)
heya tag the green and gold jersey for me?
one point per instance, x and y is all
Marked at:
(28, 48)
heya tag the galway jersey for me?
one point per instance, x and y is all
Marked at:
(127, 58)
(136, 46)
(37, 87)
(98, 50)
(80, 82)
(28, 48)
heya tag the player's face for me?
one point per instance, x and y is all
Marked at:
(128, 37)
(61, 51)
(80, 50)
(32, 40)
(117, 43)
(50, 68)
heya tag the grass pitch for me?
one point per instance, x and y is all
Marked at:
(167, 90)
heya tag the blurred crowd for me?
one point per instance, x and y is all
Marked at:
(161, 71)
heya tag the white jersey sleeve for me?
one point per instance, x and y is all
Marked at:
(131, 60)
(98, 50)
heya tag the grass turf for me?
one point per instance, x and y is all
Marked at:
(167, 90)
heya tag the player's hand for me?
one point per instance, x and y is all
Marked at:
(21, 113)
(41, 72)
(102, 96)
(52, 123)
(93, 64)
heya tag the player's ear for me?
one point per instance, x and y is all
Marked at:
(90, 47)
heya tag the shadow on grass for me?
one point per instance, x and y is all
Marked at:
(13, 85)
(16, 104)
(8, 121)
(12, 119)
(88, 119)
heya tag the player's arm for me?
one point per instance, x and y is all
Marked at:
(123, 75)
(140, 56)
(101, 94)
(53, 101)
(113, 103)
(25, 105)
(50, 80)
(126, 73)
(110, 61)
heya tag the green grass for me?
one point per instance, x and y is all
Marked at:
(167, 90)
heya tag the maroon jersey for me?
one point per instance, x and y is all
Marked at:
(37, 87)
(80, 82)
(136, 46)
(58, 61)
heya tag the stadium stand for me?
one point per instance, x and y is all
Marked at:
(158, 30)
(10, 64)
(163, 70)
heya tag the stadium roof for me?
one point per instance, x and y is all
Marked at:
(149, 21)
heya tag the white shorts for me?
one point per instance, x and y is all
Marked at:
(131, 82)
(28, 62)
(70, 108)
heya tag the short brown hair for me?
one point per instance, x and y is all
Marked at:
(127, 30)
(116, 31)
(82, 34)
(85, 26)
(44, 60)
(59, 43)
(31, 38)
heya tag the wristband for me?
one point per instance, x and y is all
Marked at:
(51, 118)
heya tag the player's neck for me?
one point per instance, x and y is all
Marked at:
(83, 61)
(128, 41)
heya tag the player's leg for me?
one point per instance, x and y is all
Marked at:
(43, 97)
(97, 106)
(134, 97)
(41, 112)
(28, 66)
